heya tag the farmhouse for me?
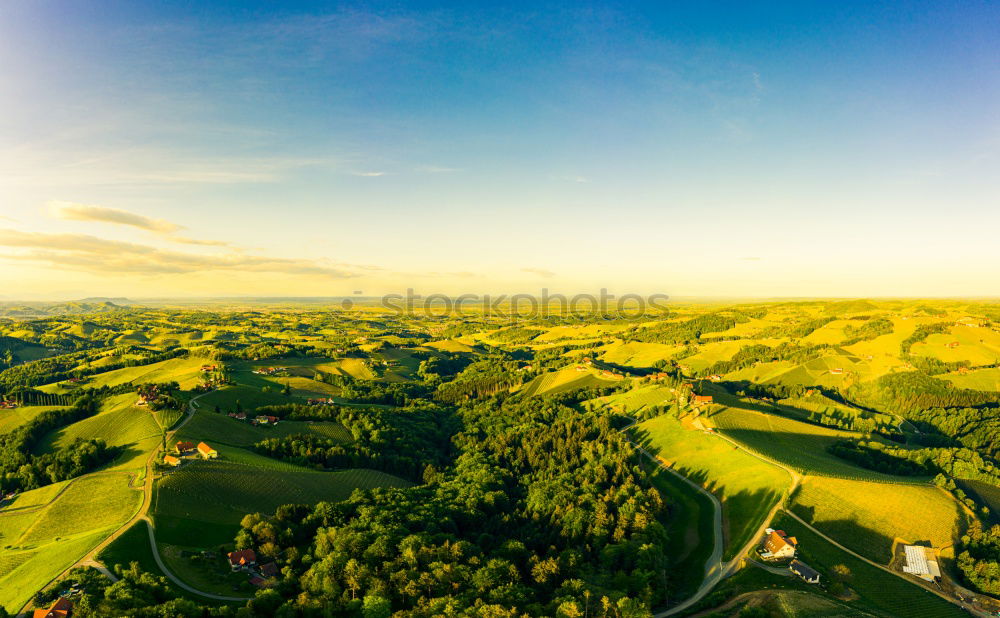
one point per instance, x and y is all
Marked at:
(266, 420)
(183, 448)
(700, 400)
(953, 344)
(807, 573)
(170, 460)
(61, 608)
(918, 564)
(715, 377)
(209, 367)
(778, 545)
(207, 451)
(837, 371)
(242, 559)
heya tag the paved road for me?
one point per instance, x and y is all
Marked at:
(728, 568)
(715, 568)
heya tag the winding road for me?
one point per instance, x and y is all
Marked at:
(90, 559)
(716, 569)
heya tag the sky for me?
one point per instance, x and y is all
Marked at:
(186, 149)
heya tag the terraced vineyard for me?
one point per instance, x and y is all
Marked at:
(866, 517)
(637, 399)
(118, 423)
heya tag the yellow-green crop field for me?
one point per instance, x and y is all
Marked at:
(12, 419)
(866, 517)
(563, 380)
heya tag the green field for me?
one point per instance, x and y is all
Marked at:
(689, 531)
(219, 428)
(185, 371)
(568, 379)
(638, 398)
(636, 353)
(119, 423)
(12, 419)
(249, 397)
(979, 380)
(747, 487)
(878, 591)
(48, 532)
(867, 517)
(978, 346)
(202, 502)
(796, 444)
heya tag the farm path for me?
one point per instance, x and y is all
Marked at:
(180, 583)
(968, 608)
(90, 559)
(771, 569)
(103, 569)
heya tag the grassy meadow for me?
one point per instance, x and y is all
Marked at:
(746, 486)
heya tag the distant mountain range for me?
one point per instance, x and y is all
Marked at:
(22, 309)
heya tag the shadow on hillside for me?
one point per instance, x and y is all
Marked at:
(851, 534)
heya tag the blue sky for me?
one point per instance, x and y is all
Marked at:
(694, 149)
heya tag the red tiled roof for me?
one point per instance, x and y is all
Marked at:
(60, 609)
(241, 557)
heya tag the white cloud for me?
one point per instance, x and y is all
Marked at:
(98, 255)
(89, 212)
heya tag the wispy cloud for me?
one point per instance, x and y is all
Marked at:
(93, 213)
(101, 214)
(368, 174)
(98, 255)
(541, 272)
